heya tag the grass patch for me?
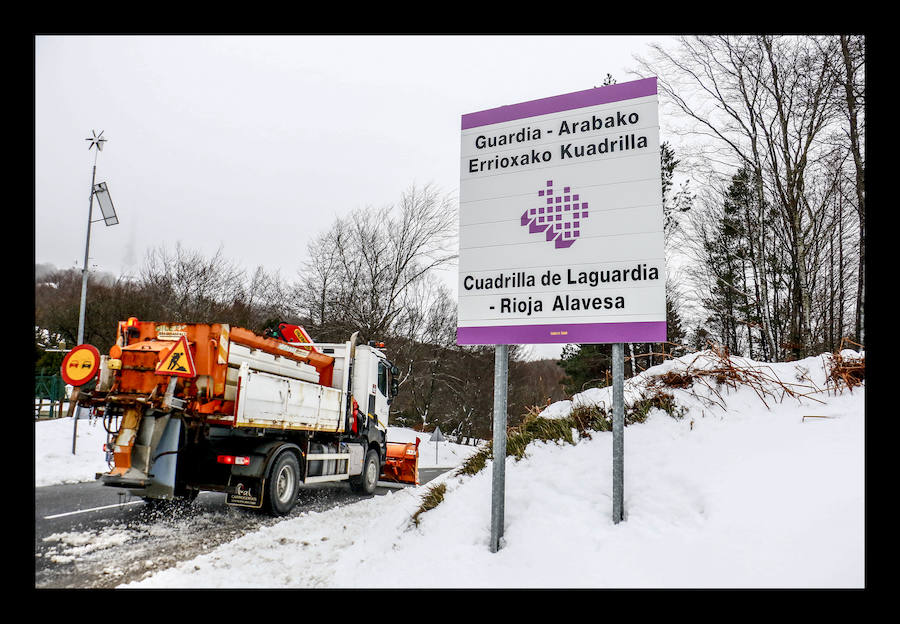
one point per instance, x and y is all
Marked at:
(534, 428)
(639, 410)
(590, 417)
(475, 462)
(432, 498)
(583, 418)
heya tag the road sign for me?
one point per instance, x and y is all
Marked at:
(178, 361)
(80, 365)
(436, 437)
(561, 220)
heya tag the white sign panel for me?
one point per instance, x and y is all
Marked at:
(561, 223)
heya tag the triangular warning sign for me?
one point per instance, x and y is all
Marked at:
(178, 361)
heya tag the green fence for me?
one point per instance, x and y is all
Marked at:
(50, 388)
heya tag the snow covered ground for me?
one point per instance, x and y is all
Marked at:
(749, 494)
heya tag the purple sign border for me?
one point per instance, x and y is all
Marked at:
(582, 333)
(557, 103)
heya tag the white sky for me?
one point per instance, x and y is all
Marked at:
(256, 143)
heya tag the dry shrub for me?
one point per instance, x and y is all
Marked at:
(846, 371)
(674, 379)
(725, 373)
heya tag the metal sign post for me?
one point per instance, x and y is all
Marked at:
(437, 437)
(618, 430)
(498, 481)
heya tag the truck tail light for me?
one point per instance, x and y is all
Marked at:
(354, 417)
(233, 460)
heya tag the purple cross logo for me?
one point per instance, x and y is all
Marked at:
(558, 215)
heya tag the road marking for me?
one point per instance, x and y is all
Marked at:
(72, 513)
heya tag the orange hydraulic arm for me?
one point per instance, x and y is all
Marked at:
(324, 364)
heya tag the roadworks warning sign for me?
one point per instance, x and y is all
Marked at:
(178, 361)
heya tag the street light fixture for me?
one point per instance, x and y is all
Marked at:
(101, 192)
(110, 218)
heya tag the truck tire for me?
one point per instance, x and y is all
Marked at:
(367, 480)
(283, 484)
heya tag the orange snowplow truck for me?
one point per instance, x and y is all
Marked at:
(191, 407)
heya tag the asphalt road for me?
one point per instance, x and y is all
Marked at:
(91, 536)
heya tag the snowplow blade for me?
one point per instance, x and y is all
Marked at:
(402, 465)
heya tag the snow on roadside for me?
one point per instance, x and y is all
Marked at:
(54, 462)
(740, 496)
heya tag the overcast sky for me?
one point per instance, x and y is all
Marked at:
(255, 143)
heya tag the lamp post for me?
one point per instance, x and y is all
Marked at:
(97, 141)
(110, 218)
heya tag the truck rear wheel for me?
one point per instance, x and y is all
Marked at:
(365, 483)
(283, 484)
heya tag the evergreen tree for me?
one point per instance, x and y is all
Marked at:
(675, 332)
(681, 201)
(728, 258)
(586, 366)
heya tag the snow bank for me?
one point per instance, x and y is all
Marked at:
(54, 462)
(740, 496)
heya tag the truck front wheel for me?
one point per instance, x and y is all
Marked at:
(283, 484)
(366, 481)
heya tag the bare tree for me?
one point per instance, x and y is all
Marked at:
(188, 286)
(768, 104)
(852, 81)
(358, 273)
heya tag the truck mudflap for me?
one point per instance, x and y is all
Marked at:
(402, 464)
(245, 492)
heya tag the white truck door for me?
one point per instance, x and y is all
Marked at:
(382, 376)
(370, 385)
